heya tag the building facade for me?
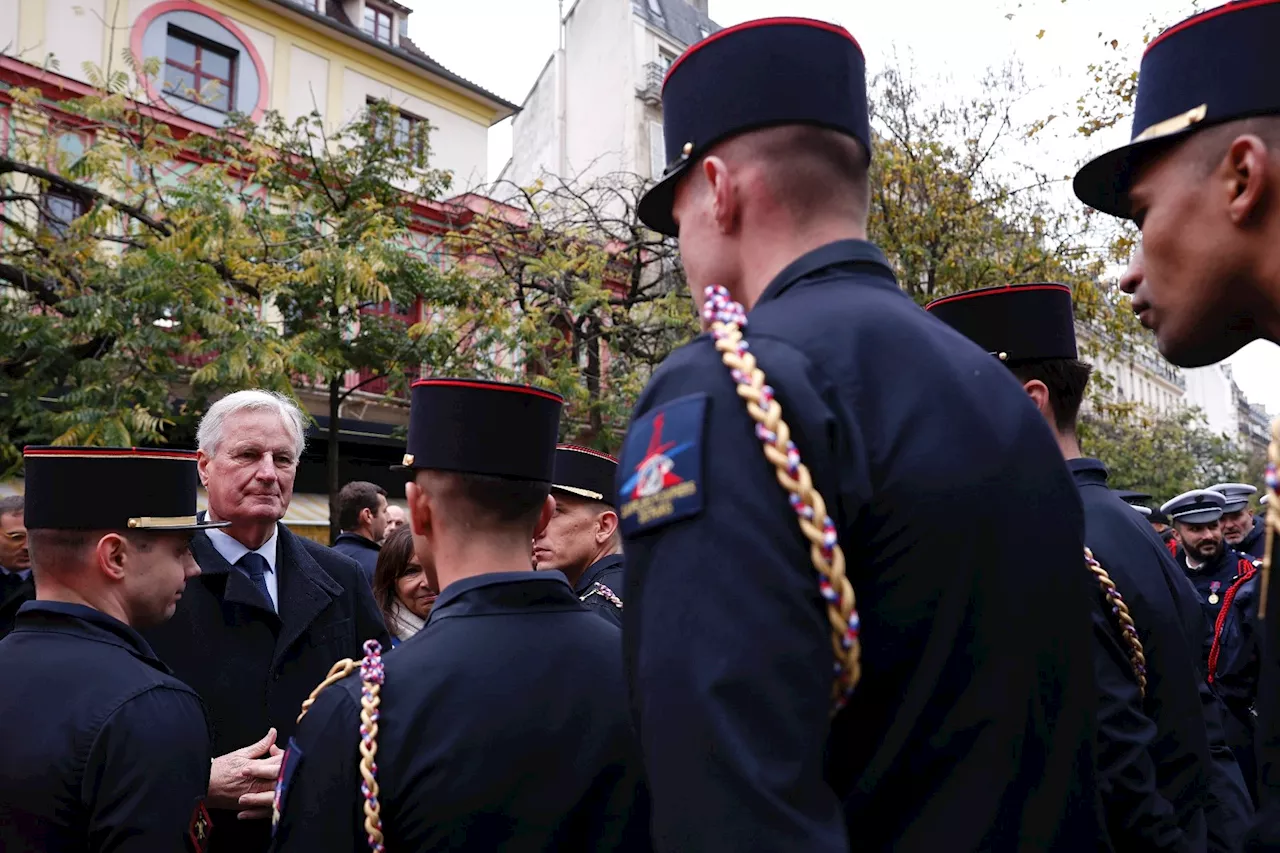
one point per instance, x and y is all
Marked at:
(1143, 377)
(596, 107)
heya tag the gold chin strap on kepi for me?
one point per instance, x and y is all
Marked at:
(1273, 515)
(1129, 631)
(371, 677)
(726, 319)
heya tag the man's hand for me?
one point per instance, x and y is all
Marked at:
(245, 779)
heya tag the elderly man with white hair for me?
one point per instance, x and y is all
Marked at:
(268, 616)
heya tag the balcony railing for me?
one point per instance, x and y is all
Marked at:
(650, 88)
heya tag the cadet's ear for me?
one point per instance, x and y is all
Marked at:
(606, 526)
(1039, 394)
(544, 518)
(419, 508)
(724, 194)
(1249, 172)
(111, 550)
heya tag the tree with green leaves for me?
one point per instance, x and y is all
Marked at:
(953, 209)
(573, 290)
(144, 269)
(1161, 454)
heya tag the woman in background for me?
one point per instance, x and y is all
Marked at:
(401, 588)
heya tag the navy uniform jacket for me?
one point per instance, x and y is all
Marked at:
(599, 585)
(1255, 540)
(1265, 834)
(1167, 787)
(253, 668)
(104, 749)
(503, 727)
(363, 551)
(17, 590)
(972, 728)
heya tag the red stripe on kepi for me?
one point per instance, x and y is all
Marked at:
(486, 385)
(587, 450)
(762, 22)
(999, 288)
(124, 452)
(1218, 12)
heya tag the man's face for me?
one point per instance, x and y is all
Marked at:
(1188, 280)
(378, 522)
(1236, 525)
(395, 520)
(569, 543)
(250, 476)
(1203, 542)
(158, 568)
(13, 543)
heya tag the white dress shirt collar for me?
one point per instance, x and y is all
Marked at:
(233, 549)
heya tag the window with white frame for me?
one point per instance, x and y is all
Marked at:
(378, 23)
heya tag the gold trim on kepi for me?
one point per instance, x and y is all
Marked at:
(584, 493)
(148, 522)
(1173, 125)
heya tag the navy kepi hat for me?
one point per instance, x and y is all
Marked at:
(1016, 323)
(1199, 506)
(586, 473)
(1131, 497)
(764, 73)
(473, 426)
(144, 489)
(1236, 494)
(1214, 67)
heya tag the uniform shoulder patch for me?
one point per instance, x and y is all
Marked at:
(199, 828)
(288, 765)
(661, 466)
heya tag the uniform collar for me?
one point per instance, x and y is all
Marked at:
(502, 591)
(1086, 470)
(861, 253)
(77, 619)
(233, 549)
(358, 538)
(595, 570)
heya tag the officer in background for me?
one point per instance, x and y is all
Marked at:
(502, 723)
(16, 585)
(1161, 787)
(582, 540)
(1227, 585)
(1239, 528)
(104, 749)
(972, 725)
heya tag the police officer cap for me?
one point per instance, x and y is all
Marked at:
(774, 71)
(473, 426)
(111, 488)
(1016, 323)
(586, 473)
(1131, 497)
(1198, 506)
(1141, 510)
(1214, 67)
(1237, 495)
(1157, 517)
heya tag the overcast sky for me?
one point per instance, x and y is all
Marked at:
(503, 44)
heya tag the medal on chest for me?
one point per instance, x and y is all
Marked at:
(1213, 592)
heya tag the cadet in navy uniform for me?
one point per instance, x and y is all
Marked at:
(582, 540)
(1239, 528)
(1227, 585)
(503, 722)
(1164, 786)
(972, 725)
(1200, 179)
(104, 748)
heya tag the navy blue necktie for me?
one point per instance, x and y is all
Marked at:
(255, 566)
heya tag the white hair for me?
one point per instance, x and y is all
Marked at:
(209, 435)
